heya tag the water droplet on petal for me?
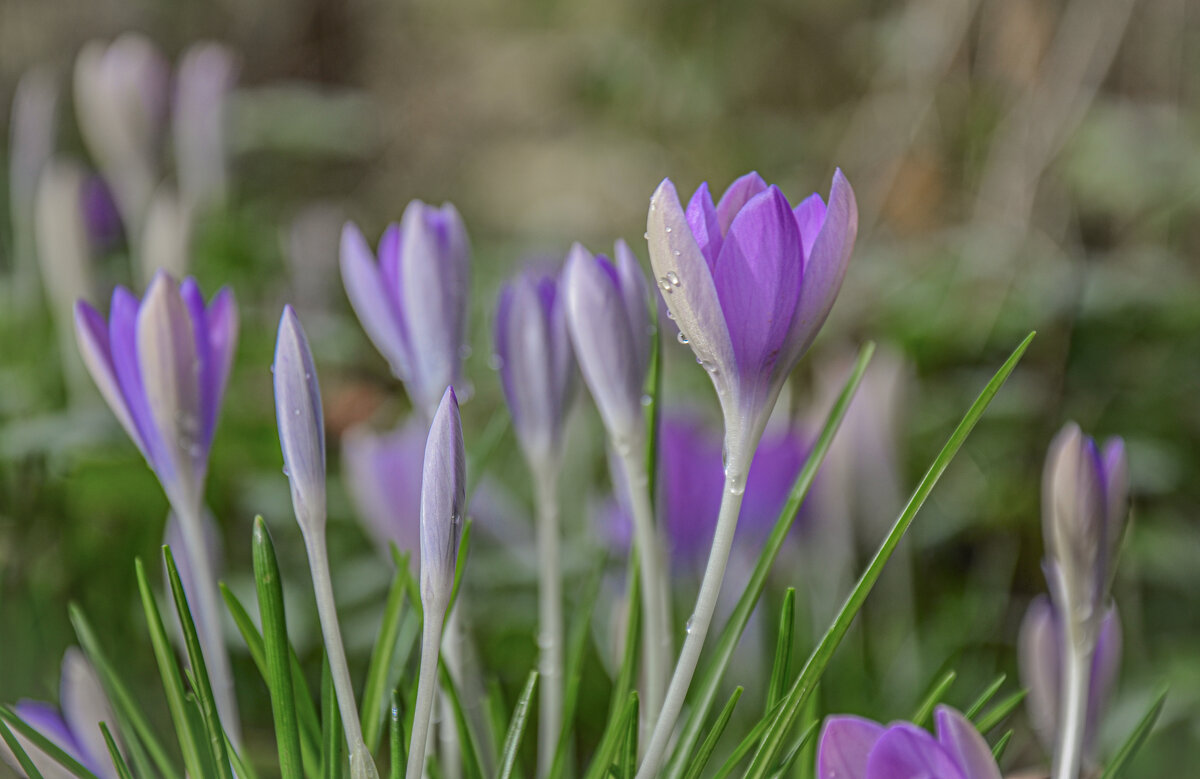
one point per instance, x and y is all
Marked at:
(670, 315)
(285, 472)
(676, 252)
(673, 278)
(668, 229)
(665, 285)
(681, 338)
(646, 235)
(691, 623)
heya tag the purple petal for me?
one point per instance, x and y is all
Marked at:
(84, 707)
(702, 219)
(527, 370)
(46, 720)
(964, 743)
(758, 280)
(1116, 488)
(845, 745)
(301, 422)
(905, 751)
(221, 316)
(91, 331)
(636, 298)
(1039, 647)
(206, 376)
(389, 262)
(810, 216)
(383, 476)
(122, 333)
(1106, 663)
(777, 461)
(690, 485)
(443, 501)
(737, 195)
(369, 296)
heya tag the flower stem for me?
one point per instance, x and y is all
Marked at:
(361, 764)
(1073, 715)
(431, 643)
(550, 617)
(452, 656)
(698, 624)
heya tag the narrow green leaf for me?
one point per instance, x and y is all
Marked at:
(781, 669)
(468, 743)
(988, 693)
(626, 674)
(1001, 745)
(135, 725)
(19, 752)
(380, 667)
(242, 768)
(460, 565)
(51, 749)
(516, 728)
(577, 644)
(794, 751)
(999, 712)
(202, 687)
(707, 683)
(626, 764)
(277, 650)
(761, 765)
(747, 743)
(497, 717)
(1136, 738)
(333, 743)
(398, 738)
(610, 741)
(709, 744)
(485, 447)
(806, 764)
(118, 759)
(935, 696)
(190, 743)
(653, 413)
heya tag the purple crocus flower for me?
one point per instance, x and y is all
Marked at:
(749, 282)
(443, 502)
(162, 363)
(207, 72)
(412, 298)
(74, 727)
(1042, 654)
(100, 214)
(856, 748)
(382, 472)
(536, 363)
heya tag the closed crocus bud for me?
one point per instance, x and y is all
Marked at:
(162, 363)
(536, 363)
(855, 748)
(203, 81)
(412, 298)
(608, 316)
(63, 249)
(166, 235)
(443, 500)
(749, 282)
(1042, 654)
(301, 422)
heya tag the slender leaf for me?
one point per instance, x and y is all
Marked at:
(704, 753)
(795, 750)
(999, 712)
(806, 765)
(1136, 738)
(398, 738)
(626, 765)
(781, 670)
(485, 447)
(576, 646)
(333, 743)
(242, 768)
(935, 696)
(52, 750)
(623, 684)
(1001, 745)
(460, 565)
(707, 683)
(497, 717)
(611, 740)
(516, 728)
(118, 760)
(23, 759)
(653, 414)
(761, 765)
(375, 692)
(468, 742)
(988, 693)
(277, 649)
(747, 743)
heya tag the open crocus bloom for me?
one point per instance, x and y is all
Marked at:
(856, 748)
(749, 281)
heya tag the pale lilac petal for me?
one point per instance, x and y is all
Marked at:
(389, 263)
(905, 751)
(84, 707)
(1116, 488)
(376, 310)
(758, 279)
(383, 476)
(1106, 663)
(706, 229)
(443, 501)
(737, 195)
(91, 331)
(206, 374)
(637, 298)
(46, 720)
(964, 743)
(810, 215)
(221, 316)
(846, 742)
(122, 333)
(301, 422)
(526, 371)
(1039, 648)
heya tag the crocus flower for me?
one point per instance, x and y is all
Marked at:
(100, 214)
(749, 282)
(536, 363)
(121, 96)
(412, 299)
(74, 726)
(856, 748)
(1041, 658)
(32, 132)
(203, 81)
(382, 472)
(166, 234)
(443, 501)
(608, 316)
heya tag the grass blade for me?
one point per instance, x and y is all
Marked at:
(468, 742)
(988, 693)
(484, 448)
(52, 750)
(999, 712)
(747, 743)
(780, 671)
(935, 696)
(516, 728)
(497, 717)
(277, 651)
(1001, 745)
(709, 744)
(576, 646)
(611, 740)
(1136, 738)
(623, 684)
(333, 743)
(704, 688)
(398, 737)
(653, 413)
(795, 750)
(626, 764)
(460, 565)
(761, 765)
(19, 752)
(118, 759)
(375, 693)
(202, 687)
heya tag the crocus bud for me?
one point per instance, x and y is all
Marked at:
(205, 76)
(608, 316)
(31, 145)
(537, 366)
(1042, 653)
(856, 748)
(166, 235)
(412, 299)
(162, 363)
(301, 422)
(749, 283)
(443, 499)
(63, 249)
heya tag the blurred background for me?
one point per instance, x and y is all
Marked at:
(1019, 165)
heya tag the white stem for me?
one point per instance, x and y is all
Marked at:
(452, 640)
(656, 638)
(427, 686)
(361, 764)
(550, 617)
(204, 604)
(1074, 703)
(698, 623)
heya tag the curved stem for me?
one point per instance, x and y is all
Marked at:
(452, 656)
(1074, 697)
(361, 764)
(698, 623)
(550, 617)
(431, 643)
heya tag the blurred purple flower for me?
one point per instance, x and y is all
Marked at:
(443, 502)
(749, 282)
(100, 214)
(536, 363)
(74, 728)
(1042, 654)
(856, 748)
(162, 363)
(206, 74)
(412, 299)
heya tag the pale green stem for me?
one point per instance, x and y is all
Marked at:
(427, 686)
(1073, 712)
(452, 656)
(550, 617)
(361, 764)
(698, 624)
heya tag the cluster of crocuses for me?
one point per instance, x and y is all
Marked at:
(748, 280)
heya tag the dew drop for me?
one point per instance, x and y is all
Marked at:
(296, 412)
(307, 376)
(673, 278)
(646, 235)
(495, 362)
(272, 367)
(681, 338)
(647, 400)
(464, 351)
(665, 285)
(691, 623)
(670, 315)
(676, 252)
(285, 472)
(668, 229)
